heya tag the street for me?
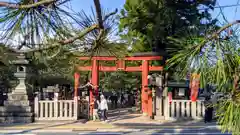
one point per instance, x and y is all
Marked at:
(165, 131)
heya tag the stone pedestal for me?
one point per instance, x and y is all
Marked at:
(17, 108)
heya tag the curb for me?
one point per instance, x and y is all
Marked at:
(104, 129)
(58, 127)
(84, 129)
(10, 131)
(107, 127)
(34, 131)
(169, 127)
(66, 131)
(52, 131)
(119, 130)
(98, 130)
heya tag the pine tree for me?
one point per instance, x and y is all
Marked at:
(147, 24)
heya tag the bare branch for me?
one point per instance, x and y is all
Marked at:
(19, 6)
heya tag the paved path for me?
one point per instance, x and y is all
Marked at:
(120, 121)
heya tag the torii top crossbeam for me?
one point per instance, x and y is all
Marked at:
(120, 65)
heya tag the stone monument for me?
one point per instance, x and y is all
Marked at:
(17, 108)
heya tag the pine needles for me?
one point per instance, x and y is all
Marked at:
(216, 59)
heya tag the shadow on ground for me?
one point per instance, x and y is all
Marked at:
(169, 128)
(121, 118)
(122, 114)
(174, 127)
(113, 116)
(44, 127)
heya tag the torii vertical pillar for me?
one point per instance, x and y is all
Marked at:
(150, 103)
(94, 90)
(76, 84)
(145, 70)
(95, 76)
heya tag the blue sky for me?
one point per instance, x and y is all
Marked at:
(78, 5)
(85, 5)
(231, 13)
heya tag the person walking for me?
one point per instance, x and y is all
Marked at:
(103, 107)
(113, 99)
(95, 108)
(122, 100)
(208, 110)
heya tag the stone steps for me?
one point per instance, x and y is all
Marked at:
(16, 114)
(17, 97)
(16, 103)
(18, 109)
(11, 119)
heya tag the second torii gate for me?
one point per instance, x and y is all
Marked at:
(146, 93)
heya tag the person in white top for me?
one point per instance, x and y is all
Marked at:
(103, 106)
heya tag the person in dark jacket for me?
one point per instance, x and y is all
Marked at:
(208, 110)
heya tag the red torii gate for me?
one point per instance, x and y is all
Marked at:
(146, 93)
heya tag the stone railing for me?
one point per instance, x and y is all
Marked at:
(185, 109)
(56, 110)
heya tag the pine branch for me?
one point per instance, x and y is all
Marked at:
(27, 6)
(215, 34)
(63, 42)
(99, 25)
(110, 14)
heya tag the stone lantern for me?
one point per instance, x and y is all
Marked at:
(21, 74)
(156, 84)
(159, 81)
(17, 108)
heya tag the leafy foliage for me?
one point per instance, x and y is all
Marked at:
(120, 80)
(216, 58)
(147, 24)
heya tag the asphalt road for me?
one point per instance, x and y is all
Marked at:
(202, 131)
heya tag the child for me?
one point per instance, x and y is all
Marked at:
(95, 104)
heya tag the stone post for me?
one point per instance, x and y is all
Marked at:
(36, 108)
(159, 98)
